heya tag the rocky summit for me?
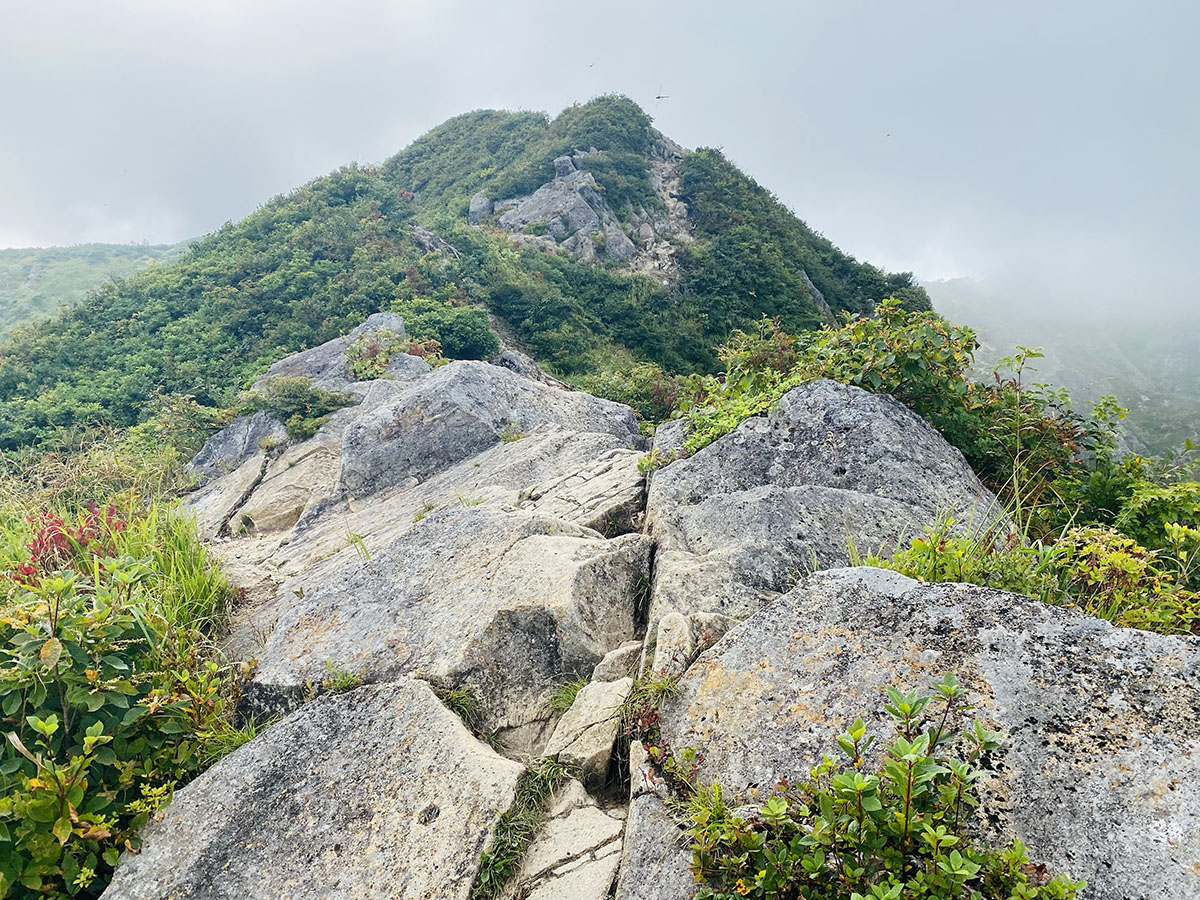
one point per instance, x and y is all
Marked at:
(464, 575)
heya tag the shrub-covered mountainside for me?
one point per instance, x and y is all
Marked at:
(590, 240)
(36, 281)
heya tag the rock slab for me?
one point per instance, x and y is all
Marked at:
(1099, 769)
(337, 802)
(498, 599)
(745, 518)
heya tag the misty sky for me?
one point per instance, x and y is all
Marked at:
(1054, 141)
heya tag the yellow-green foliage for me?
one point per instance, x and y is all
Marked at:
(1097, 570)
(368, 356)
(110, 690)
(301, 406)
(853, 832)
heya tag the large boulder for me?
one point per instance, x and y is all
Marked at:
(230, 447)
(497, 600)
(326, 363)
(585, 479)
(458, 411)
(380, 792)
(1097, 772)
(743, 519)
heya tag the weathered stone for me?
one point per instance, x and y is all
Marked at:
(243, 438)
(325, 364)
(214, 503)
(568, 204)
(431, 242)
(745, 518)
(293, 564)
(576, 854)
(584, 736)
(380, 792)
(457, 411)
(607, 494)
(1097, 774)
(619, 663)
(563, 166)
(674, 646)
(498, 600)
(670, 436)
(524, 365)
(655, 855)
(480, 206)
(617, 244)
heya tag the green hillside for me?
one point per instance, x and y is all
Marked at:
(35, 282)
(310, 265)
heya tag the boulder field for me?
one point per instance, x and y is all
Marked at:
(476, 537)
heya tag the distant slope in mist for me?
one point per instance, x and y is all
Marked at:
(1147, 360)
(36, 282)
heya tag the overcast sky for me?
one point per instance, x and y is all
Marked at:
(1049, 140)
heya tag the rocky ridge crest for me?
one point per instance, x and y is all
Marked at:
(473, 529)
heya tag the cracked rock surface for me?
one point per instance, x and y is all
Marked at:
(577, 852)
(336, 802)
(499, 599)
(1097, 770)
(742, 520)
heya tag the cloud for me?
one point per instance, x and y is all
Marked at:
(938, 136)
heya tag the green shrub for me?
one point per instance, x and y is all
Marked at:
(1151, 507)
(645, 387)
(301, 407)
(461, 332)
(109, 693)
(854, 832)
(368, 355)
(1097, 570)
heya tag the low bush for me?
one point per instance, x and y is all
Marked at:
(1097, 570)
(368, 356)
(295, 401)
(853, 831)
(110, 690)
(645, 387)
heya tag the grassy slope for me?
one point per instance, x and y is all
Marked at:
(35, 282)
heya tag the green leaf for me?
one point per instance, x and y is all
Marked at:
(116, 662)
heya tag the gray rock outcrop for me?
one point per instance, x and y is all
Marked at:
(742, 520)
(500, 601)
(1097, 769)
(325, 364)
(226, 450)
(584, 737)
(336, 802)
(571, 207)
(457, 411)
(480, 207)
